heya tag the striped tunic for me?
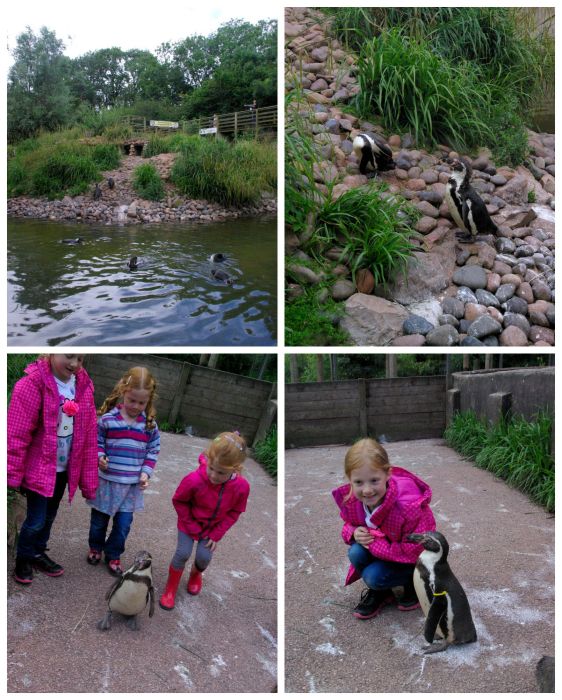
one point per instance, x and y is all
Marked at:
(130, 449)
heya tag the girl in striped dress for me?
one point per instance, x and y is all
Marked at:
(128, 447)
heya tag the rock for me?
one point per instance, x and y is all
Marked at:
(494, 281)
(427, 209)
(515, 191)
(487, 298)
(319, 85)
(525, 292)
(505, 292)
(416, 325)
(429, 177)
(516, 305)
(416, 184)
(498, 180)
(443, 336)
(519, 320)
(466, 295)
(365, 281)
(513, 336)
(537, 318)
(320, 54)
(303, 274)
(474, 311)
(342, 290)
(409, 341)
(470, 340)
(425, 225)
(541, 290)
(453, 306)
(449, 320)
(371, 320)
(472, 276)
(538, 333)
(484, 326)
(486, 256)
(505, 245)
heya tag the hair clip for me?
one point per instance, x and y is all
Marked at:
(128, 380)
(233, 441)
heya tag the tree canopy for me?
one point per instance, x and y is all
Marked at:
(197, 76)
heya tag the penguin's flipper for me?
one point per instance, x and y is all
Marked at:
(435, 648)
(366, 159)
(151, 601)
(437, 610)
(105, 622)
(132, 623)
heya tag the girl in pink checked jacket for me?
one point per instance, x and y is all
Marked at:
(380, 506)
(208, 502)
(52, 444)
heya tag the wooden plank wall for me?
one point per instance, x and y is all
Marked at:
(209, 400)
(324, 413)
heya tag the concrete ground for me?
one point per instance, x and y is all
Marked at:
(502, 552)
(222, 640)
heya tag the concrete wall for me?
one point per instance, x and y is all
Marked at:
(324, 413)
(489, 392)
(206, 399)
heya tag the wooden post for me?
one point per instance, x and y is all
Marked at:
(268, 416)
(180, 390)
(319, 368)
(256, 112)
(235, 125)
(294, 368)
(363, 418)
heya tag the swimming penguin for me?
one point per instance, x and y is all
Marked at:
(372, 149)
(73, 241)
(110, 183)
(97, 192)
(221, 275)
(130, 595)
(443, 600)
(465, 204)
(217, 257)
(135, 262)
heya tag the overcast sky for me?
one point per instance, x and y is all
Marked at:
(100, 24)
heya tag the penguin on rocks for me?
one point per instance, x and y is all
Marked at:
(131, 593)
(372, 149)
(97, 192)
(110, 183)
(465, 204)
(442, 598)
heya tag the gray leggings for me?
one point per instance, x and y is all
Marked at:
(203, 555)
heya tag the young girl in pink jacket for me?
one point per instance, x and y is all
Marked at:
(380, 506)
(208, 502)
(52, 444)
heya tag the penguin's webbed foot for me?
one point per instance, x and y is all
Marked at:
(463, 237)
(435, 648)
(105, 622)
(132, 623)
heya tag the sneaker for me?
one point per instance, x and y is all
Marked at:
(94, 557)
(114, 566)
(23, 573)
(47, 565)
(371, 603)
(409, 599)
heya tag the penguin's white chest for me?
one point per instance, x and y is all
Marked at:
(457, 218)
(129, 599)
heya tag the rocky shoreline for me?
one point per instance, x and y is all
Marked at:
(499, 290)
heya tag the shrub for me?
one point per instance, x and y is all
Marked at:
(106, 156)
(308, 323)
(265, 452)
(147, 182)
(64, 170)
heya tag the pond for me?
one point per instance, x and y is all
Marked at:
(86, 294)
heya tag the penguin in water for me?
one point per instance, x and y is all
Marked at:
(73, 241)
(221, 275)
(372, 149)
(465, 204)
(135, 262)
(443, 600)
(130, 594)
(217, 257)
(97, 192)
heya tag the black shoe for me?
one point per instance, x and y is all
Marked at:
(409, 598)
(372, 602)
(47, 565)
(23, 573)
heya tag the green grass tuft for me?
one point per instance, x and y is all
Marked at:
(265, 452)
(148, 183)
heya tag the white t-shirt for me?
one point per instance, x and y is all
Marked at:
(368, 515)
(65, 424)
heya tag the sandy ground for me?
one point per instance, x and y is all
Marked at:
(222, 640)
(502, 552)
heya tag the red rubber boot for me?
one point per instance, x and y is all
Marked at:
(195, 582)
(168, 598)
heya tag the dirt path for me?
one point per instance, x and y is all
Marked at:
(222, 640)
(502, 551)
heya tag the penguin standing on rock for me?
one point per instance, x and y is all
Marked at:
(372, 150)
(97, 192)
(443, 600)
(130, 594)
(465, 204)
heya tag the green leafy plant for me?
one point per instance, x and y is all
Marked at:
(147, 182)
(106, 156)
(265, 452)
(309, 323)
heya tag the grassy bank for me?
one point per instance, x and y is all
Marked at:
(517, 451)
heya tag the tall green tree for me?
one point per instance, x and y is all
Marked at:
(38, 92)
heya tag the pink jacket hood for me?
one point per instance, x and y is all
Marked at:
(405, 509)
(32, 434)
(196, 500)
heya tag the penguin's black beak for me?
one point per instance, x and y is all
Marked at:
(416, 537)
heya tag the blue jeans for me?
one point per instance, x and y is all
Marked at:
(114, 546)
(377, 573)
(41, 513)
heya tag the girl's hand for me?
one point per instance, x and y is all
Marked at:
(211, 544)
(363, 536)
(102, 463)
(143, 481)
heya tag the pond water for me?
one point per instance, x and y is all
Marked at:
(86, 294)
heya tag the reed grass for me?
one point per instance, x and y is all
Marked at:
(148, 183)
(265, 452)
(515, 450)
